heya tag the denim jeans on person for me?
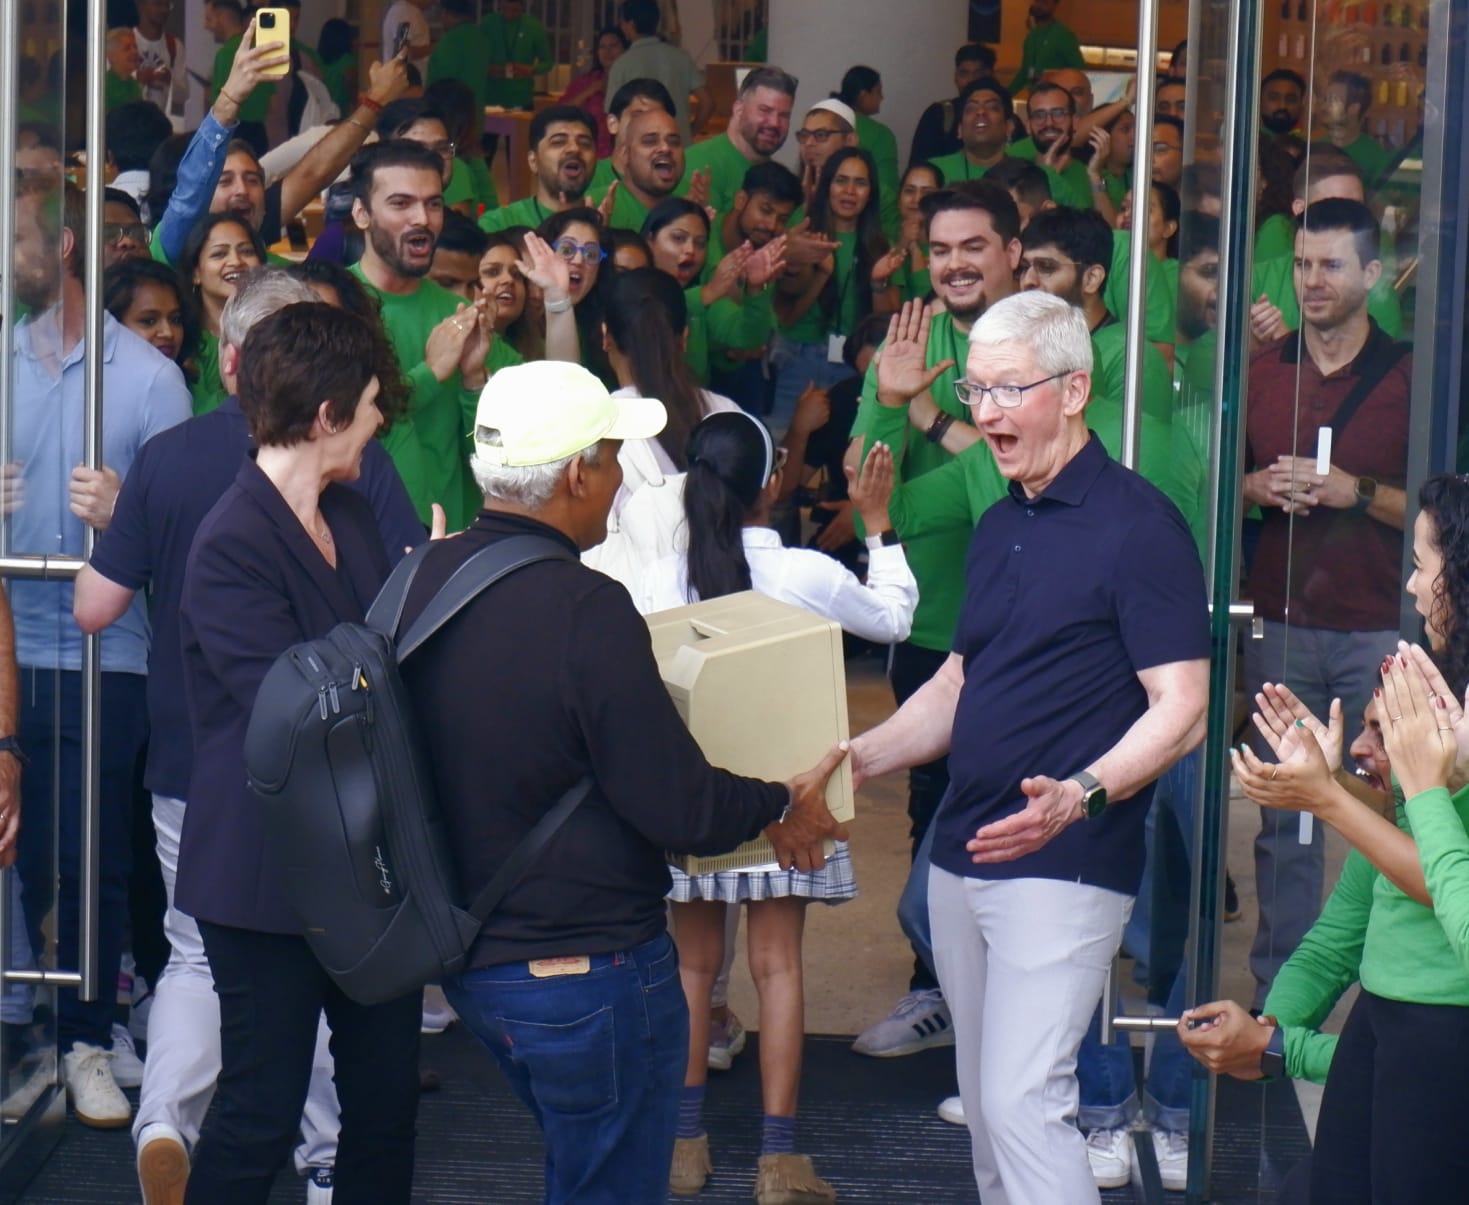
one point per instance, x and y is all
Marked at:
(1105, 1073)
(598, 1056)
(797, 365)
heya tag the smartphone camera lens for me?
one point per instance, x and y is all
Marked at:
(267, 20)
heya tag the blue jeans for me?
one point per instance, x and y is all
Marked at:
(797, 365)
(598, 1058)
(913, 903)
(1108, 1084)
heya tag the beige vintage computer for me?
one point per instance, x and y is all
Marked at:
(762, 687)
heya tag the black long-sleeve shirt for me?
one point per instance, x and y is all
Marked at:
(547, 676)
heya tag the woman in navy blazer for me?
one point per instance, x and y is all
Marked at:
(286, 554)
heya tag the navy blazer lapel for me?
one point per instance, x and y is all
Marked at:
(293, 536)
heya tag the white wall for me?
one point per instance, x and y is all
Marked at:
(911, 45)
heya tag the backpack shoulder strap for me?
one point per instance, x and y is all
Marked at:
(386, 612)
(527, 850)
(476, 575)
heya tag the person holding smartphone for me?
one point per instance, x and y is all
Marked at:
(405, 25)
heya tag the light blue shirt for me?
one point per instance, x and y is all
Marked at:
(143, 393)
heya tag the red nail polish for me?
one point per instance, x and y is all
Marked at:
(1377, 694)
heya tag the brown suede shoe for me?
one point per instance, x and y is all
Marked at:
(691, 1166)
(791, 1180)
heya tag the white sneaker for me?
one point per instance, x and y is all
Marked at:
(1110, 1154)
(951, 1109)
(31, 1077)
(920, 1020)
(96, 1099)
(438, 1014)
(319, 1186)
(1171, 1149)
(163, 1164)
(127, 1067)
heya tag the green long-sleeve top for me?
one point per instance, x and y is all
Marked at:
(1372, 931)
(524, 42)
(725, 324)
(879, 142)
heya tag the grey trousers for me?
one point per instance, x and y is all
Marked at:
(1319, 665)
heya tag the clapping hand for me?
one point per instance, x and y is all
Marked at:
(872, 489)
(766, 264)
(1419, 658)
(1280, 718)
(725, 279)
(1416, 730)
(803, 247)
(699, 187)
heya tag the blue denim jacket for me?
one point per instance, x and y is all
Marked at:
(198, 174)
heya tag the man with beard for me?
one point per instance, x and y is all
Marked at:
(984, 129)
(1048, 44)
(398, 203)
(827, 127)
(758, 126)
(937, 132)
(1344, 115)
(49, 497)
(651, 161)
(563, 141)
(1052, 116)
(973, 235)
(1171, 98)
(1323, 579)
(1282, 100)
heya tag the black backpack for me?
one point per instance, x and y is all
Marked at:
(333, 753)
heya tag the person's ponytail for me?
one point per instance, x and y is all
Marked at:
(730, 457)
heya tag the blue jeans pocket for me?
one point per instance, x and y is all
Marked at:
(661, 969)
(572, 1066)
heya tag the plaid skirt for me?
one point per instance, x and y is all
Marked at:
(833, 884)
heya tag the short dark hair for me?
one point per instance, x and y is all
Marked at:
(116, 196)
(619, 238)
(1170, 81)
(229, 6)
(555, 225)
(552, 114)
(1167, 119)
(133, 132)
(769, 77)
(163, 173)
(461, 234)
(775, 180)
(870, 331)
(1046, 85)
(394, 152)
(668, 211)
(976, 52)
(641, 89)
(1337, 213)
(297, 358)
(335, 40)
(642, 15)
(857, 80)
(988, 84)
(1026, 182)
(982, 195)
(1359, 88)
(1081, 234)
(1324, 163)
(1198, 233)
(1285, 75)
(399, 116)
(122, 280)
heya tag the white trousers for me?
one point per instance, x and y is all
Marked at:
(183, 1029)
(1022, 963)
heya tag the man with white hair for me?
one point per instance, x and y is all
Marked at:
(573, 983)
(1079, 674)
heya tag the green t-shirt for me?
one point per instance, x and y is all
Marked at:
(208, 392)
(1161, 301)
(727, 168)
(726, 324)
(628, 213)
(1276, 236)
(1275, 279)
(1046, 47)
(911, 285)
(338, 78)
(528, 211)
(957, 167)
(481, 182)
(1369, 155)
(603, 175)
(118, 91)
(463, 54)
(520, 41)
(937, 556)
(1071, 186)
(427, 444)
(257, 104)
(879, 142)
(1109, 372)
(817, 323)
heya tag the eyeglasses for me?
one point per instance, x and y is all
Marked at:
(114, 233)
(444, 150)
(569, 249)
(1164, 148)
(1045, 266)
(1006, 397)
(1049, 114)
(820, 136)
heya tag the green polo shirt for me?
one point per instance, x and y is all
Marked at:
(727, 168)
(1161, 301)
(522, 41)
(118, 91)
(528, 211)
(427, 444)
(257, 104)
(1275, 279)
(208, 392)
(1369, 155)
(937, 555)
(1109, 373)
(879, 142)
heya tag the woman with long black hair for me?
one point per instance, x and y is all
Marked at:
(817, 305)
(733, 483)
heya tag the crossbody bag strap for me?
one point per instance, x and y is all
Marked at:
(1360, 392)
(528, 850)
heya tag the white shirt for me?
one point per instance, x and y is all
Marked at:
(881, 611)
(401, 12)
(169, 97)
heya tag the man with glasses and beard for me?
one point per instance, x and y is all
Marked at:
(563, 154)
(1052, 117)
(398, 204)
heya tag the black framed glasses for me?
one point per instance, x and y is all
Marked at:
(1006, 397)
(820, 137)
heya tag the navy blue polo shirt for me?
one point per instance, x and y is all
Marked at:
(175, 481)
(1068, 596)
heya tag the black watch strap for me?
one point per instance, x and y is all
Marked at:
(11, 745)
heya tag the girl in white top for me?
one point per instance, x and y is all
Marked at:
(733, 481)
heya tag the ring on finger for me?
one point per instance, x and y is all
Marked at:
(1274, 770)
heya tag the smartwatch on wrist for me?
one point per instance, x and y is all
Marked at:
(1366, 491)
(883, 539)
(939, 427)
(11, 745)
(1093, 794)
(1272, 1060)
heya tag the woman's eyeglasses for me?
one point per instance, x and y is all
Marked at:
(569, 249)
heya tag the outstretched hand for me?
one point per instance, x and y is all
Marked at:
(1050, 807)
(545, 269)
(902, 372)
(1278, 714)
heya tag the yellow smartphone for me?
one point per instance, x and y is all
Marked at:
(273, 28)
